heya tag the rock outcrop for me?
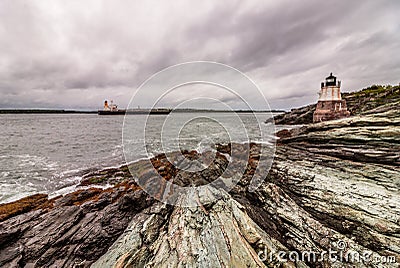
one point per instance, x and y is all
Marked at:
(68, 231)
(333, 187)
(358, 103)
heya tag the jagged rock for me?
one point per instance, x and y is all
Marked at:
(296, 116)
(23, 205)
(373, 138)
(221, 235)
(332, 186)
(77, 230)
(369, 100)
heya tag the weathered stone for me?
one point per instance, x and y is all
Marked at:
(74, 231)
(369, 100)
(333, 183)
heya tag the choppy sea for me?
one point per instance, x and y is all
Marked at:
(48, 153)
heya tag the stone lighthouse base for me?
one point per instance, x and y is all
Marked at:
(330, 110)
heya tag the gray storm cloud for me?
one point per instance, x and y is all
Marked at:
(75, 54)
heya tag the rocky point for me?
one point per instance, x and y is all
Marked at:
(334, 185)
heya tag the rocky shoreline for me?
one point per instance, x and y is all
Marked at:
(359, 102)
(332, 186)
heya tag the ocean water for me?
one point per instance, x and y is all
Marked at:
(48, 153)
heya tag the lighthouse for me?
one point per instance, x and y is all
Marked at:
(330, 105)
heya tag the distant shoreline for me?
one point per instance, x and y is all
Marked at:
(62, 111)
(44, 111)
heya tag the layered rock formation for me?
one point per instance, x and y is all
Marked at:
(333, 186)
(358, 103)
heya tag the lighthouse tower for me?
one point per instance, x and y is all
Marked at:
(330, 104)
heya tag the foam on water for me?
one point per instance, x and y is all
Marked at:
(49, 153)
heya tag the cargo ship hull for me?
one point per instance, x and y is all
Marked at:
(138, 111)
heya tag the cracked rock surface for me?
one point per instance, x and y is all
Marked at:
(332, 186)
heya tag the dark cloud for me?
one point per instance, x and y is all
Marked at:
(76, 54)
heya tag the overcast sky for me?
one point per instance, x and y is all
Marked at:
(75, 54)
